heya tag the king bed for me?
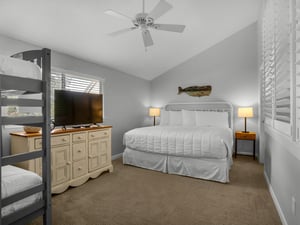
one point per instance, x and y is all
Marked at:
(193, 139)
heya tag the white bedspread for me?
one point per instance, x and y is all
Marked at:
(18, 67)
(14, 180)
(199, 142)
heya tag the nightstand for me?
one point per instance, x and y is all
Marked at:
(251, 136)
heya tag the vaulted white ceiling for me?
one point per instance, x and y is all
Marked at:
(80, 27)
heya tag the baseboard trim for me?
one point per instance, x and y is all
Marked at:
(245, 153)
(275, 200)
(116, 156)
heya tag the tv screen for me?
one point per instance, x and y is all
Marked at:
(77, 108)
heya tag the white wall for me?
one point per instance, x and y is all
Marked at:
(282, 168)
(126, 98)
(230, 67)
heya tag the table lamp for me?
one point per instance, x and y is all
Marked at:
(154, 112)
(245, 112)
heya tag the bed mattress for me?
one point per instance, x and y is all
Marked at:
(18, 67)
(183, 141)
(15, 180)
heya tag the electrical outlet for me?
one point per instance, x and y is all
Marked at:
(293, 205)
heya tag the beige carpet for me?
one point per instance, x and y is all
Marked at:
(133, 195)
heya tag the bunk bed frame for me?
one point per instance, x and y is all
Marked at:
(43, 206)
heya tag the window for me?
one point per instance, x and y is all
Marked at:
(269, 62)
(296, 66)
(282, 93)
(63, 81)
(276, 79)
(71, 82)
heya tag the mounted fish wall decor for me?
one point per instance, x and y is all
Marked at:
(196, 91)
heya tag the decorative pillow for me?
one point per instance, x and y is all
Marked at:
(216, 119)
(164, 117)
(175, 118)
(188, 118)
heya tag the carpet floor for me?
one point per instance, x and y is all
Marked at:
(135, 196)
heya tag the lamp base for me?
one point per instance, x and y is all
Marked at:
(245, 130)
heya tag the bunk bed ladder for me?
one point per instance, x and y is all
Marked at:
(46, 160)
(42, 207)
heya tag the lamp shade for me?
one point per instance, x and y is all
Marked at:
(154, 111)
(245, 112)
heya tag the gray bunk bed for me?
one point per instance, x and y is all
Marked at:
(25, 85)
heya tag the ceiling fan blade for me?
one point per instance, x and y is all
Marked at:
(161, 8)
(118, 32)
(147, 38)
(114, 13)
(169, 27)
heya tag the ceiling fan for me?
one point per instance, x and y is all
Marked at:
(144, 21)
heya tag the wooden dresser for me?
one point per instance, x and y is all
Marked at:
(76, 154)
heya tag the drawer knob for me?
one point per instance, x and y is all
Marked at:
(78, 137)
(68, 163)
(79, 150)
(105, 133)
(80, 168)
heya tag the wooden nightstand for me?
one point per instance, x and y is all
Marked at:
(251, 136)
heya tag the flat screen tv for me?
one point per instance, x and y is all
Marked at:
(77, 108)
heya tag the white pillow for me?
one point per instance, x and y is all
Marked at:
(175, 118)
(216, 119)
(164, 117)
(188, 118)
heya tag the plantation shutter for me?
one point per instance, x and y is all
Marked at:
(269, 62)
(282, 62)
(297, 69)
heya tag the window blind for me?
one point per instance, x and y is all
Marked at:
(72, 82)
(282, 61)
(276, 78)
(297, 69)
(269, 61)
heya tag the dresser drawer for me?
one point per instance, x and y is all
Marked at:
(98, 134)
(79, 137)
(37, 143)
(60, 140)
(56, 140)
(80, 168)
(79, 151)
(245, 136)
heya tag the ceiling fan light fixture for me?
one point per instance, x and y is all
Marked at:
(144, 21)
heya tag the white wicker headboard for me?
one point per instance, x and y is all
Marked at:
(217, 106)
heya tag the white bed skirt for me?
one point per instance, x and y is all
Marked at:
(208, 169)
(145, 160)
